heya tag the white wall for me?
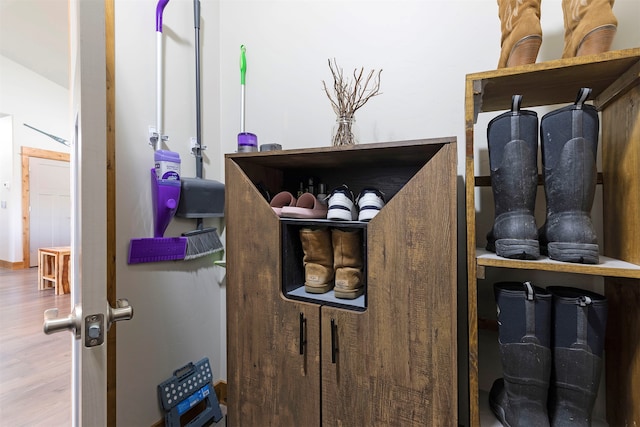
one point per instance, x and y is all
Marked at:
(7, 247)
(27, 98)
(178, 305)
(288, 46)
(424, 47)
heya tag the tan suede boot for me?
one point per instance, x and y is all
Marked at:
(589, 27)
(317, 260)
(347, 260)
(521, 32)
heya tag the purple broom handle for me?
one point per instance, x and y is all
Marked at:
(159, 9)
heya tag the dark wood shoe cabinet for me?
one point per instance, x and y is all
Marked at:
(295, 359)
(615, 80)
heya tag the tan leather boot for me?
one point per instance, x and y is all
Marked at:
(521, 32)
(589, 27)
(317, 260)
(347, 261)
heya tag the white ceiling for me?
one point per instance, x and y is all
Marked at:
(35, 34)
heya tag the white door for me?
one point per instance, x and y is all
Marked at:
(50, 205)
(91, 315)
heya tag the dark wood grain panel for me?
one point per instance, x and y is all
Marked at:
(621, 217)
(550, 82)
(266, 373)
(622, 352)
(397, 361)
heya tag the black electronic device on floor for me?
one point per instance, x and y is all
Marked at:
(189, 396)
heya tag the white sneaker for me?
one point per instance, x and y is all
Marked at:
(341, 206)
(370, 201)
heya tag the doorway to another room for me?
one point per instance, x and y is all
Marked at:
(46, 202)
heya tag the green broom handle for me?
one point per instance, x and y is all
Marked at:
(198, 147)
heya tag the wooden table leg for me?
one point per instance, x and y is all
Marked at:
(40, 269)
(65, 273)
(59, 269)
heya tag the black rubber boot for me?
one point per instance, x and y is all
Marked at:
(524, 320)
(513, 153)
(569, 146)
(580, 319)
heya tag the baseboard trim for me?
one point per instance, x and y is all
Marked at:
(221, 391)
(12, 265)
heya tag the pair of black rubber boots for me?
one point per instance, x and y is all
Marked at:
(551, 345)
(569, 141)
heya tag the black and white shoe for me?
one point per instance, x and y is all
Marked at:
(341, 205)
(370, 201)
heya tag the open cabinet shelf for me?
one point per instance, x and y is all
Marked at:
(609, 267)
(614, 78)
(293, 274)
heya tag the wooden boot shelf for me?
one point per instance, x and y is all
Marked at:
(615, 80)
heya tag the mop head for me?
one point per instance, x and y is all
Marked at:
(202, 243)
(156, 249)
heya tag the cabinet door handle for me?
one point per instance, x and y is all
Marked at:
(334, 343)
(303, 333)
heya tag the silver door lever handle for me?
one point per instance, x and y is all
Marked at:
(72, 322)
(122, 311)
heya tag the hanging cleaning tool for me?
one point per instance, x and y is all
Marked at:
(165, 183)
(201, 198)
(247, 142)
(165, 194)
(243, 81)
(157, 136)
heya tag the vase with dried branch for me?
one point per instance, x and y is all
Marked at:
(349, 96)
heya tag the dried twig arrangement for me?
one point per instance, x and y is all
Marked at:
(349, 96)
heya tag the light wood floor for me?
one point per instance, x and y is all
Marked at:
(35, 369)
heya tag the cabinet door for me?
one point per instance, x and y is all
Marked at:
(269, 381)
(395, 363)
(348, 382)
(274, 377)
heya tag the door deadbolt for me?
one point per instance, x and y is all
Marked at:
(94, 330)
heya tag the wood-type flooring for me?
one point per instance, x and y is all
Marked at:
(35, 369)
